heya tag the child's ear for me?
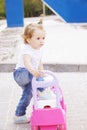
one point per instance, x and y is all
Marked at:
(28, 40)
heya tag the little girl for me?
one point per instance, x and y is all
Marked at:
(29, 65)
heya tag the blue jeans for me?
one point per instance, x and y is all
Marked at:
(23, 79)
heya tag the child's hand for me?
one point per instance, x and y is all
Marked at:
(42, 74)
(36, 73)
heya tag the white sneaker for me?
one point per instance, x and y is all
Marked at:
(21, 119)
(46, 95)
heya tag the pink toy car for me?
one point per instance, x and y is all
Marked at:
(48, 114)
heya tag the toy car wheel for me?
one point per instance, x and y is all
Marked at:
(61, 127)
(35, 128)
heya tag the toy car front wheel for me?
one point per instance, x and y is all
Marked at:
(35, 128)
(61, 127)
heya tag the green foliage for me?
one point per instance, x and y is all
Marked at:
(32, 8)
(2, 9)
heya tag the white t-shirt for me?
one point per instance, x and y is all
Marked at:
(36, 56)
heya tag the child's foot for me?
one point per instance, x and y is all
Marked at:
(46, 95)
(21, 119)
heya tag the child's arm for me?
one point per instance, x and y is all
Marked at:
(28, 65)
(41, 68)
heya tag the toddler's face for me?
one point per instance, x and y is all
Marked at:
(37, 40)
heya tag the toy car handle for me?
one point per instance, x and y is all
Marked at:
(37, 84)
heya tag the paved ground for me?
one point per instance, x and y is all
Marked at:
(74, 87)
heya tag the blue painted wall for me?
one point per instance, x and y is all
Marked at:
(14, 13)
(70, 10)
